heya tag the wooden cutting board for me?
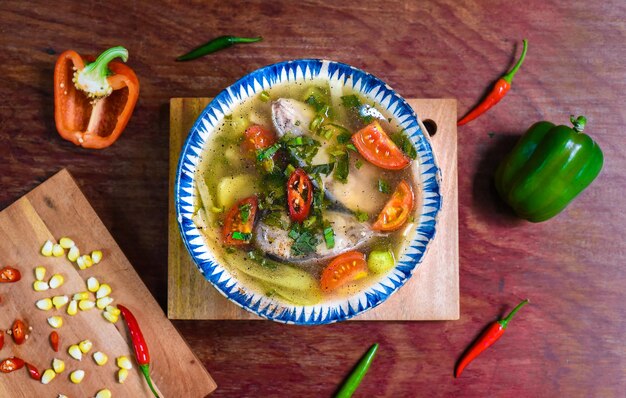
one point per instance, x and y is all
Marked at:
(432, 293)
(55, 209)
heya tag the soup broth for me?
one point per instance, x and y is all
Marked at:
(258, 218)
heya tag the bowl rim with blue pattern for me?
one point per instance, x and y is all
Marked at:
(272, 308)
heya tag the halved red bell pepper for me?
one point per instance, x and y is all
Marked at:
(93, 101)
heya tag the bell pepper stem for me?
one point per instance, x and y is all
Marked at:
(145, 369)
(578, 122)
(509, 76)
(92, 79)
(504, 322)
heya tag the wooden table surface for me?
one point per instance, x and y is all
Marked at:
(568, 342)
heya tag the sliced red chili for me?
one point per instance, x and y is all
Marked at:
(54, 341)
(1, 339)
(19, 331)
(299, 195)
(9, 274)
(33, 371)
(11, 364)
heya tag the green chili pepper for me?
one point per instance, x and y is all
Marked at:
(352, 382)
(548, 168)
(219, 43)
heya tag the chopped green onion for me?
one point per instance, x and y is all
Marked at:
(264, 96)
(351, 147)
(309, 222)
(315, 123)
(241, 236)
(293, 234)
(329, 237)
(289, 169)
(383, 186)
(267, 152)
(358, 164)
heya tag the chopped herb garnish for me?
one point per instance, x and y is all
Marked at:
(325, 169)
(344, 137)
(351, 147)
(358, 164)
(402, 141)
(264, 96)
(293, 234)
(318, 97)
(258, 257)
(309, 222)
(342, 168)
(383, 186)
(350, 101)
(305, 243)
(244, 212)
(361, 216)
(241, 236)
(329, 236)
(267, 152)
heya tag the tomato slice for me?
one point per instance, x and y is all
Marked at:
(396, 210)
(377, 148)
(257, 137)
(299, 195)
(9, 274)
(237, 229)
(343, 269)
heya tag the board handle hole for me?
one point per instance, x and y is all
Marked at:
(431, 126)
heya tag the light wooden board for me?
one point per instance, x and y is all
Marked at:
(54, 209)
(432, 293)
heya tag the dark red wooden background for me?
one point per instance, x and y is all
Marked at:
(569, 342)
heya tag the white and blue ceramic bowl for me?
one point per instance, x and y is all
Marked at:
(223, 104)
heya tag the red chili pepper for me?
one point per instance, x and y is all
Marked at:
(486, 340)
(11, 364)
(299, 195)
(18, 331)
(54, 341)
(139, 344)
(33, 371)
(9, 274)
(1, 339)
(498, 92)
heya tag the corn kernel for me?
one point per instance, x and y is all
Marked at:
(56, 281)
(85, 346)
(100, 358)
(58, 365)
(104, 393)
(110, 317)
(86, 305)
(104, 302)
(73, 254)
(96, 256)
(40, 286)
(46, 249)
(44, 304)
(77, 376)
(103, 291)
(40, 273)
(113, 310)
(92, 284)
(87, 260)
(124, 363)
(122, 374)
(57, 250)
(72, 309)
(55, 321)
(60, 301)
(75, 352)
(47, 376)
(66, 243)
(81, 296)
(80, 261)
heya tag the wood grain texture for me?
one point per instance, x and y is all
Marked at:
(568, 342)
(432, 293)
(54, 209)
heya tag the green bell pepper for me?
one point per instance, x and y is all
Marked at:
(549, 166)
